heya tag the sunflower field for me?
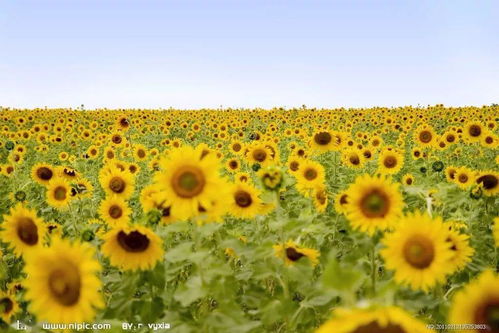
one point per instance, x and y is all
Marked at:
(284, 220)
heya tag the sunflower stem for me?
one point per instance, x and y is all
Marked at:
(374, 268)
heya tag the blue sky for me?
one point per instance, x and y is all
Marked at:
(194, 54)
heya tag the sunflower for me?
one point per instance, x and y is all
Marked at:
(322, 140)
(418, 251)
(474, 131)
(495, 231)
(450, 173)
(477, 303)
(461, 249)
(259, 153)
(390, 161)
(290, 252)
(489, 182)
(352, 158)
(236, 147)
(23, 230)
(58, 193)
(245, 202)
(425, 136)
(189, 180)
(463, 177)
(243, 177)
(8, 306)
(341, 202)
(373, 320)
(115, 211)
(293, 164)
(408, 179)
(63, 278)
(320, 198)
(132, 247)
(116, 181)
(374, 203)
(42, 173)
(139, 152)
(233, 165)
(309, 175)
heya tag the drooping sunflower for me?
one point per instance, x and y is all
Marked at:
(132, 247)
(8, 306)
(23, 230)
(42, 173)
(117, 181)
(290, 252)
(309, 175)
(418, 251)
(450, 173)
(320, 198)
(461, 249)
(190, 179)
(477, 303)
(63, 278)
(489, 182)
(58, 193)
(115, 211)
(374, 203)
(373, 320)
(390, 161)
(246, 202)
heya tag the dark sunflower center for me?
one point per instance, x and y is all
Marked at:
(489, 140)
(489, 182)
(27, 231)
(344, 199)
(367, 154)
(117, 185)
(294, 166)
(354, 159)
(117, 139)
(375, 204)
(463, 178)
(133, 242)
(475, 130)
(408, 181)
(236, 147)
(6, 305)
(322, 138)
(488, 313)
(321, 197)
(64, 284)
(141, 153)
(417, 153)
(452, 174)
(115, 211)
(233, 164)
(243, 199)
(44, 173)
(60, 193)
(425, 136)
(292, 254)
(419, 251)
(450, 138)
(374, 327)
(165, 212)
(310, 174)
(188, 181)
(260, 155)
(390, 162)
(124, 122)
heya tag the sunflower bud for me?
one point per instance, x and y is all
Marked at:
(422, 169)
(88, 235)
(476, 193)
(153, 217)
(9, 145)
(256, 167)
(20, 196)
(437, 166)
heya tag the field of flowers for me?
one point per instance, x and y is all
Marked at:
(302, 220)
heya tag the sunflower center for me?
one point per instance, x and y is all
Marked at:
(117, 139)
(373, 327)
(65, 283)
(27, 231)
(367, 154)
(6, 305)
(450, 138)
(463, 178)
(115, 211)
(321, 197)
(310, 174)
(243, 199)
(133, 242)
(117, 185)
(165, 212)
(259, 155)
(419, 252)
(236, 147)
(488, 181)
(294, 166)
(292, 254)
(124, 122)
(390, 162)
(233, 164)
(488, 313)
(44, 173)
(141, 153)
(344, 199)
(425, 136)
(408, 181)
(375, 204)
(60, 193)
(475, 130)
(188, 181)
(354, 159)
(322, 138)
